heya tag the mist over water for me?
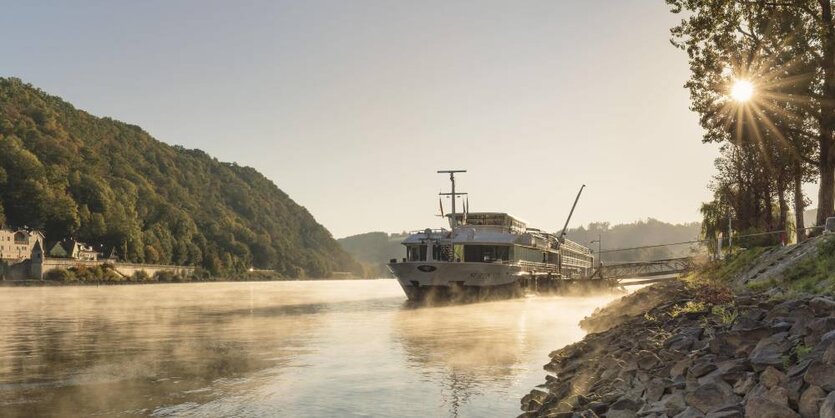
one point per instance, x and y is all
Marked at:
(323, 348)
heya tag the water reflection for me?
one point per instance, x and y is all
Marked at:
(494, 342)
(271, 349)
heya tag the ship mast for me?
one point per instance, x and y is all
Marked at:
(453, 194)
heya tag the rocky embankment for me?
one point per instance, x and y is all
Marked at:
(683, 351)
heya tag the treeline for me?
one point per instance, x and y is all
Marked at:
(783, 136)
(111, 184)
(650, 232)
(374, 249)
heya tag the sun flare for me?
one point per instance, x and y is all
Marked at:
(742, 90)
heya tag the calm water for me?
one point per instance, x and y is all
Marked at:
(295, 349)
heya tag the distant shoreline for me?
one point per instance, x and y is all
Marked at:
(52, 283)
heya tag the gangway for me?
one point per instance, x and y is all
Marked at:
(645, 269)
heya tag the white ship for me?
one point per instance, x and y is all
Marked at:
(486, 255)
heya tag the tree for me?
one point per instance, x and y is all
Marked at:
(787, 48)
(111, 184)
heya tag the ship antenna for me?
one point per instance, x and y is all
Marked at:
(453, 194)
(562, 234)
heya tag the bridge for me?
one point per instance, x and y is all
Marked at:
(645, 269)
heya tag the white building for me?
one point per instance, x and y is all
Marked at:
(16, 245)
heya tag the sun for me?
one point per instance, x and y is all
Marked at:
(742, 90)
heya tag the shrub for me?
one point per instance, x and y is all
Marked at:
(727, 314)
(140, 276)
(165, 276)
(60, 275)
(689, 307)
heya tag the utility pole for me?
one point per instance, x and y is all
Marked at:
(598, 241)
(730, 239)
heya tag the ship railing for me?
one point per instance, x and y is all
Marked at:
(439, 231)
(534, 264)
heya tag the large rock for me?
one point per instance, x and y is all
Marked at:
(821, 374)
(778, 395)
(533, 401)
(810, 402)
(674, 403)
(647, 360)
(822, 305)
(730, 371)
(769, 351)
(771, 377)
(680, 368)
(702, 368)
(624, 408)
(711, 396)
(759, 407)
(744, 385)
(655, 389)
(828, 407)
(829, 354)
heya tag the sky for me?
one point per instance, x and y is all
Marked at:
(352, 106)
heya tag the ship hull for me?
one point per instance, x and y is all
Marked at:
(461, 281)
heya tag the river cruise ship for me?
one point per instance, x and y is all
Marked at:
(486, 255)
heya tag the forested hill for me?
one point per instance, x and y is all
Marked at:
(111, 184)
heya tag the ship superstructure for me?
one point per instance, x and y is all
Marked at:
(484, 255)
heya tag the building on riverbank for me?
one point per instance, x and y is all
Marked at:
(17, 245)
(24, 256)
(70, 248)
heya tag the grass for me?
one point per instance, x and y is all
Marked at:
(726, 270)
(814, 274)
(726, 314)
(690, 306)
(797, 354)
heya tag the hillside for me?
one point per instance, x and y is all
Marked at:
(374, 249)
(111, 184)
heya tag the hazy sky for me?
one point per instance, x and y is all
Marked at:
(351, 106)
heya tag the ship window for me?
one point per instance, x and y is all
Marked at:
(486, 253)
(416, 253)
(442, 253)
(459, 252)
(527, 254)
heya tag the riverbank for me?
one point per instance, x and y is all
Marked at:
(750, 337)
(150, 281)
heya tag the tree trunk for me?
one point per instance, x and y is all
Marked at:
(826, 167)
(784, 206)
(799, 203)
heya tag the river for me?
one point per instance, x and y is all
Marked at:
(290, 349)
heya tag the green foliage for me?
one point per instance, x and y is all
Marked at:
(801, 351)
(689, 307)
(727, 314)
(814, 274)
(637, 234)
(373, 250)
(724, 271)
(166, 276)
(140, 276)
(111, 184)
(60, 275)
(770, 144)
